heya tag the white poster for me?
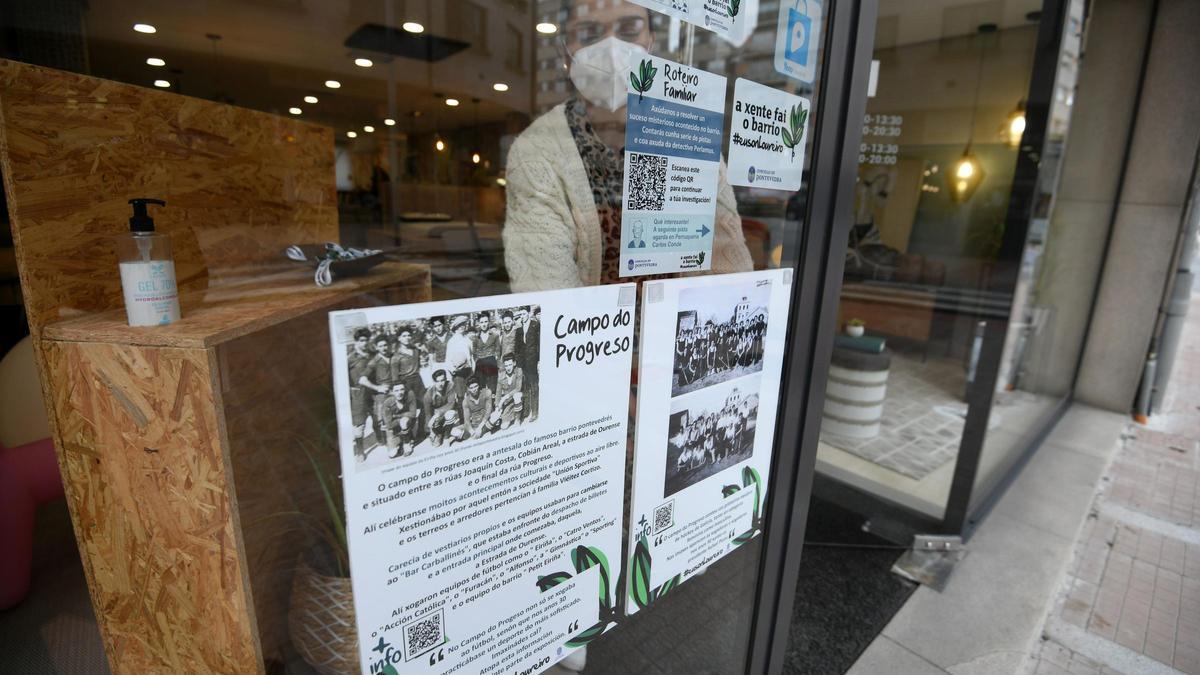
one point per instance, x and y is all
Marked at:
(672, 164)
(723, 17)
(766, 138)
(484, 489)
(708, 390)
(797, 38)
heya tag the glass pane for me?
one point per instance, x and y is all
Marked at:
(324, 156)
(935, 180)
(1043, 338)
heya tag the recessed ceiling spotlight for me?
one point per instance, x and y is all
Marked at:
(451, 102)
(294, 110)
(351, 134)
(156, 62)
(547, 28)
(310, 99)
(162, 84)
(333, 84)
(500, 86)
(413, 27)
(144, 28)
(363, 63)
(390, 122)
(368, 128)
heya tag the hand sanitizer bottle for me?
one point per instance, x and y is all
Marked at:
(147, 270)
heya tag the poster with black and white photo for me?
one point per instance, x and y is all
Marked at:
(711, 359)
(484, 494)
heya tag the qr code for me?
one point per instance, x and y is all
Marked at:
(423, 634)
(664, 516)
(647, 182)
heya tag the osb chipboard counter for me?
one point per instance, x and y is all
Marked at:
(184, 446)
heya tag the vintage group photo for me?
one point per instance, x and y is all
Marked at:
(709, 432)
(719, 334)
(423, 385)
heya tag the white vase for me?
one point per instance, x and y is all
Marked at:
(854, 331)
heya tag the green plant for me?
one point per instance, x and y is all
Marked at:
(734, 7)
(644, 79)
(856, 322)
(333, 531)
(793, 134)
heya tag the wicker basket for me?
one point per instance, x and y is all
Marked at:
(321, 622)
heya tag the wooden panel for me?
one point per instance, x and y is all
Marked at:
(278, 403)
(149, 489)
(240, 185)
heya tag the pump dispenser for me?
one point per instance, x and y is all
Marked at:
(147, 270)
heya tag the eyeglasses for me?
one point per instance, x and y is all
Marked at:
(628, 28)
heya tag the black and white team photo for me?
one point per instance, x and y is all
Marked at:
(709, 432)
(420, 386)
(719, 334)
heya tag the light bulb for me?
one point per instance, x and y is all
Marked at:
(145, 28)
(294, 110)
(475, 158)
(547, 28)
(351, 134)
(501, 182)
(156, 62)
(413, 27)
(1017, 126)
(965, 168)
(333, 84)
(451, 102)
(390, 122)
(500, 86)
(961, 186)
(363, 63)
(162, 84)
(310, 99)
(440, 145)
(368, 128)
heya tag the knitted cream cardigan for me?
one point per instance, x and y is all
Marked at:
(551, 233)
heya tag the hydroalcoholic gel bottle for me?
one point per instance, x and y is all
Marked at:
(147, 270)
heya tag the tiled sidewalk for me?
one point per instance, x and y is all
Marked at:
(1131, 600)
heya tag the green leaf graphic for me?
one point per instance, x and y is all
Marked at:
(744, 537)
(587, 557)
(639, 587)
(729, 490)
(551, 580)
(750, 475)
(793, 134)
(588, 635)
(645, 78)
(735, 6)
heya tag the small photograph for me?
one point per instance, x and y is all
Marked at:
(420, 386)
(719, 334)
(710, 432)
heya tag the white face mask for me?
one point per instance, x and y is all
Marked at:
(598, 71)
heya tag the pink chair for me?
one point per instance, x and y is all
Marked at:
(28, 469)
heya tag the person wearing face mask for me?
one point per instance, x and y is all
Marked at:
(563, 223)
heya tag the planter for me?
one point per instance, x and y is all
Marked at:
(855, 331)
(321, 622)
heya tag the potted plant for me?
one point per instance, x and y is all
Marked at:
(855, 327)
(321, 608)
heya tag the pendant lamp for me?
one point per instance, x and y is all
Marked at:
(967, 173)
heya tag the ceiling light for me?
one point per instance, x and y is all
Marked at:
(451, 102)
(413, 27)
(475, 158)
(310, 99)
(368, 128)
(501, 182)
(440, 145)
(333, 84)
(967, 175)
(294, 110)
(500, 86)
(144, 28)
(162, 84)
(363, 63)
(1014, 125)
(156, 62)
(546, 28)
(351, 134)
(390, 122)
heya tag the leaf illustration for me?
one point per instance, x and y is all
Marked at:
(668, 586)
(645, 78)
(633, 80)
(787, 137)
(639, 587)
(729, 489)
(588, 635)
(734, 7)
(744, 537)
(750, 475)
(551, 580)
(587, 557)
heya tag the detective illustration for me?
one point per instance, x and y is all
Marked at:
(719, 334)
(421, 385)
